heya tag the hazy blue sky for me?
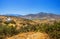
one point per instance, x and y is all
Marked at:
(29, 6)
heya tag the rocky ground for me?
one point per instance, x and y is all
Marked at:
(30, 35)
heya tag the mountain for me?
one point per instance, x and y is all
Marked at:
(17, 15)
(42, 15)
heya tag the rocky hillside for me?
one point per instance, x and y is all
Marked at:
(12, 27)
(16, 21)
(30, 35)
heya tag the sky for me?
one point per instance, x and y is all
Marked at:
(24, 7)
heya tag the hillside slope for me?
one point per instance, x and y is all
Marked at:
(25, 28)
(16, 21)
(42, 15)
(30, 35)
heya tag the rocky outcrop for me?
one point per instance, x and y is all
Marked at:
(30, 35)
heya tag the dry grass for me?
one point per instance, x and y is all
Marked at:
(30, 35)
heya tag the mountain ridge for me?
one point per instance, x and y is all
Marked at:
(41, 15)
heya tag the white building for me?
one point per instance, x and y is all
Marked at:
(8, 19)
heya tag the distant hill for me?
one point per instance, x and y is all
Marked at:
(17, 15)
(42, 15)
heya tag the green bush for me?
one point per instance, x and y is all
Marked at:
(7, 31)
(52, 30)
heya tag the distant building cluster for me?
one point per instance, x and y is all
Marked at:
(8, 19)
(5, 19)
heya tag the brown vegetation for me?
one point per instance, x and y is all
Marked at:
(20, 28)
(31, 35)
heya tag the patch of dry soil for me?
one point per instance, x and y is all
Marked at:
(30, 35)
